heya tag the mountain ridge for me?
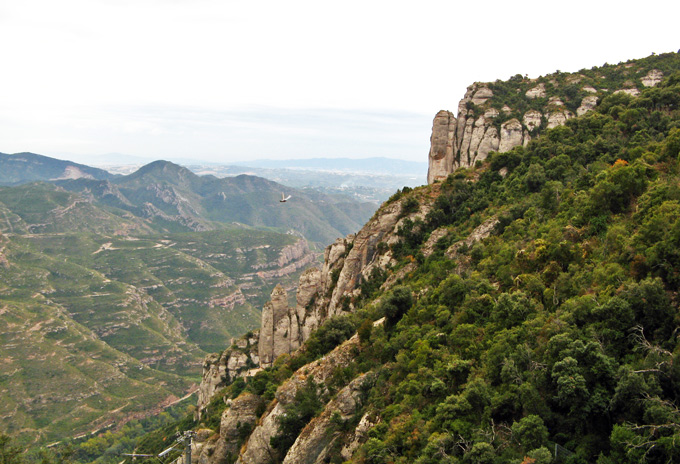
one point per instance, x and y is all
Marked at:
(29, 167)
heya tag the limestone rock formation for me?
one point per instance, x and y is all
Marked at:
(558, 118)
(323, 293)
(278, 332)
(536, 92)
(632, 91)
(652, 78)
(441, 145)
(532, 119)
(219, 369)
(257, 449)
(463, 139)
(468, 138)
(315, 442)
(240, 415)
(511, 135)
(587, 104)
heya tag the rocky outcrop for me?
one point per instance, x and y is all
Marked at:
(239, 417)
(558, 118)
(441, 146)
(652, 78)
(532, 119)
(480, 233)
(219, 369)
(463, 139)
(632, 91)
(511, 135)
(316, 441)
(257, 449)
(326, 292)
(587, 104)
(279, 329)
(536, 92)
(321, 293)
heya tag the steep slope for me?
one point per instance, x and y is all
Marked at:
(523, 310)
(20, 168)
(93, 298)
(59, 379)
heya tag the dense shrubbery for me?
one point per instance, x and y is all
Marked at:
(562, 327)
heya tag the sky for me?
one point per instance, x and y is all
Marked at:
(232, 80)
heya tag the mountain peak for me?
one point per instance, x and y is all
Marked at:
(162, 170)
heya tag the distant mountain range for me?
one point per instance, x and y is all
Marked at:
(171, 198)
(20, 168)
(376, 165)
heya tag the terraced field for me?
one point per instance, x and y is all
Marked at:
(105, 316)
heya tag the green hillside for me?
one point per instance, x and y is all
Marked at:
(554, 339)
(103, 320)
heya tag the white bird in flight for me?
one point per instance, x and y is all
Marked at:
(284, 198)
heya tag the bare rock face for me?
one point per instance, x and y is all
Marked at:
(469, 137)
(322, 293)
(220, 369)
(633, 92)
(480, 233)
(214, 377)
(241, 414)
(309, 287)
(275, 331)
(363, 256)
(441, 146)
(257, 449)
(511, 135)
(481, 95)
(490, 142)
(315, 442)
(536, 92)
(652, 78)
(532, 119)
(359, 436)
(558, 118)
(587, 104)
(555, 101)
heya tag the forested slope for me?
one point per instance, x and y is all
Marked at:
(559, 328)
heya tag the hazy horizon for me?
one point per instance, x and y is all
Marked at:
(231, 81)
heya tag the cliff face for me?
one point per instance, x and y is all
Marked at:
(326, 292)
(494, 117)
(321, 293)
(491, 117)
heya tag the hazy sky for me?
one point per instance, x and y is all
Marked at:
(231, 80)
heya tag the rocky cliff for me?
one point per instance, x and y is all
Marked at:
(499, 116)
(491, 117)
(321, 294)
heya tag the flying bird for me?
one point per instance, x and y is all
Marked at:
(284, 198)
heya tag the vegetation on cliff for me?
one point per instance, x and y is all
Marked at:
(561, 327)
(553, 339)
(557, 333)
